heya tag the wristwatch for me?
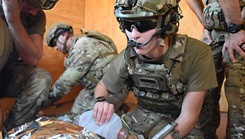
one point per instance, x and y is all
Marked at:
(100, 99)
(234, 28)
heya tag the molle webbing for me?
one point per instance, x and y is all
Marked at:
(157, 86)
(151, 80)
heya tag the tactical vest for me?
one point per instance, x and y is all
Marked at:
(213, 17)
(157, 86)
(92, 78)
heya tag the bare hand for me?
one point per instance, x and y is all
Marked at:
(233, 43)
(103, 112)
(206, 36)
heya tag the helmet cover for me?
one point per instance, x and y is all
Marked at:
(55, 30)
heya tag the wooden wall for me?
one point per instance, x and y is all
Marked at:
(98, 15)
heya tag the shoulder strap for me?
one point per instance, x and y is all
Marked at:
(100, 36)
(175, 58)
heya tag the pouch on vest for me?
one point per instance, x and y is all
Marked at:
(213, 17)
(142, 122)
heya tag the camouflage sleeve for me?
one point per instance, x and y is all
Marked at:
(66, 81)
(79, 61)
(64, 84)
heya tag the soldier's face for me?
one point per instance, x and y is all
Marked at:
(60, 44)
(143, 38)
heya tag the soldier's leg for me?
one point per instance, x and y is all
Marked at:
(30, 85)
(209, 119)
(235, 94)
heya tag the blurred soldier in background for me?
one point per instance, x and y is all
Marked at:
(223, 23)
(19, 77)
(88, 58)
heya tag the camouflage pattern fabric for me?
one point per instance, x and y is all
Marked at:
(84, 101)
(213, 17)
(234, 89)
(170, 107)
(29, 85)
(85, 64)
(235, 124)
(235, 94)
(209, 119)
(148, 121)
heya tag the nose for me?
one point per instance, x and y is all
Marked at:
(135, 33)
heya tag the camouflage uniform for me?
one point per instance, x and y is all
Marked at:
(235, 94)
(234, 84)
(29, 84)
(86, 62)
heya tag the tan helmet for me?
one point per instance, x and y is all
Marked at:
(55, 30)
(165, 12)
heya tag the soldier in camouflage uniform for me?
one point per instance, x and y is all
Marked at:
(20, 78)
(88, 58)
(223, 23)
(167, 71)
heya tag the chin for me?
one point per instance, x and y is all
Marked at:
(140, 51)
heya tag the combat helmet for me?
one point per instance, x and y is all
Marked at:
(165, 12)
(55, 30)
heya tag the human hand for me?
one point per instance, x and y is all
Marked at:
(235, 42)
(206, 36)
(103, 112)
(11, 9)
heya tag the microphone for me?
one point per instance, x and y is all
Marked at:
(132, 43)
